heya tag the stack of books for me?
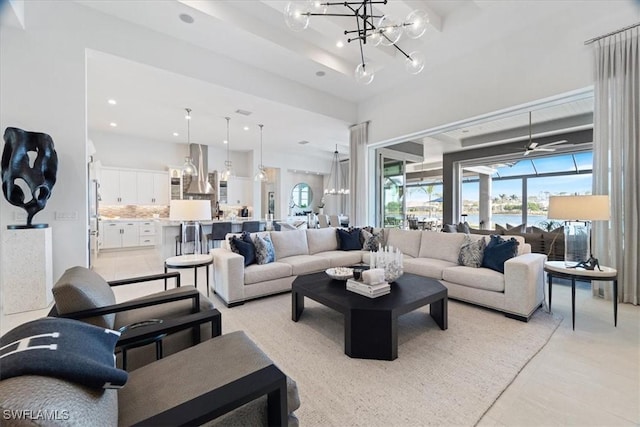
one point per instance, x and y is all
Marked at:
(371, 291)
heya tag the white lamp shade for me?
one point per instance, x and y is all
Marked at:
(190, 210)
(588, 208)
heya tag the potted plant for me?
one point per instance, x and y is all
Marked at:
(321, 206)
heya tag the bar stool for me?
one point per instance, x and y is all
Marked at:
(219, 230)
(251, 226)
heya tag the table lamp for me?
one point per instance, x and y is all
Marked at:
(190, 212)
(578, 212)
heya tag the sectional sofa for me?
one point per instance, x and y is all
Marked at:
(518, 292)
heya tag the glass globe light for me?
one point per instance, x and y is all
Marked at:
(318, 6)
(296, 16)
(226, 174)
(189, 168)
(363, 76)
(415, 64)
(390, 31)
(417, 20)
(261, 176)
(375, 38)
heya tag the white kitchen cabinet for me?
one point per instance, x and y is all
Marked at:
(147, 233)
(118, 187)
(153, 188)
(119, 234)
(239, 191)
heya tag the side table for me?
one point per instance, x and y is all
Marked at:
(558, 269)
(189, 261)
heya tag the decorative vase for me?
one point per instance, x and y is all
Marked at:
(390, 259)
(321, 211)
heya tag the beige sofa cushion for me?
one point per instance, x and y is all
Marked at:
(480, 278)
(342, 258)
(322, 240)
(407, 240)
(444, 246)
(261, 273)
(82, 289)
(427, 267)
(305, 264)
(289, 243)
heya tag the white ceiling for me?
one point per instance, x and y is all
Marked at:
(151, 101)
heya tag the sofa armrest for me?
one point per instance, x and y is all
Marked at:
(228, 275)
(524, 283)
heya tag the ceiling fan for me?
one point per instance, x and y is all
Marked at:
(533, 146)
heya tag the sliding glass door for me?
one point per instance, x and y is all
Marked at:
(391, 190)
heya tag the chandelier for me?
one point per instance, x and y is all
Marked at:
(369, 27)
(337, 182)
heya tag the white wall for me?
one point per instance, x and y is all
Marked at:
(42, 87)
(527, 66)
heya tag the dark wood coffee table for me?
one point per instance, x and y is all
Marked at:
(371, 324)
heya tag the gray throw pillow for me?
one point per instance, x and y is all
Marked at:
(371, 241)
(265, 253)
(471, 252)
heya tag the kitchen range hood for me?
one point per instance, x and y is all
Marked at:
(200, 184)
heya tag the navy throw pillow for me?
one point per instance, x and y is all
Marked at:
(62, 348)
(498, 251)
(245, 248)
(349, 240)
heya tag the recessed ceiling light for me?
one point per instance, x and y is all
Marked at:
(186, 18)
(112, 102)
(246, 128)
(113, 124)
(225, 141)
(320, 73)
(339, 43)
(176, 134)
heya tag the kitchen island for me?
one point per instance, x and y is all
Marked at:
(167, 231)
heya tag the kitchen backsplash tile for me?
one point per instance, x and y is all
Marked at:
(133, 211)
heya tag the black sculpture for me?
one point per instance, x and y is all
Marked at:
(589, 264)
(28, 158)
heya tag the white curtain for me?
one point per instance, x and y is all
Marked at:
(616, 160)
(358, 174)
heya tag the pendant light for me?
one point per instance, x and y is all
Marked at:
(337, 183)
(261, 175)
(227, 173)
(188, 168)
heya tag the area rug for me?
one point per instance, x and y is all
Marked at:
(440, 377)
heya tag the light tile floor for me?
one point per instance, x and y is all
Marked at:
(586, 377)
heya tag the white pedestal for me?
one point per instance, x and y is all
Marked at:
(27, 269)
